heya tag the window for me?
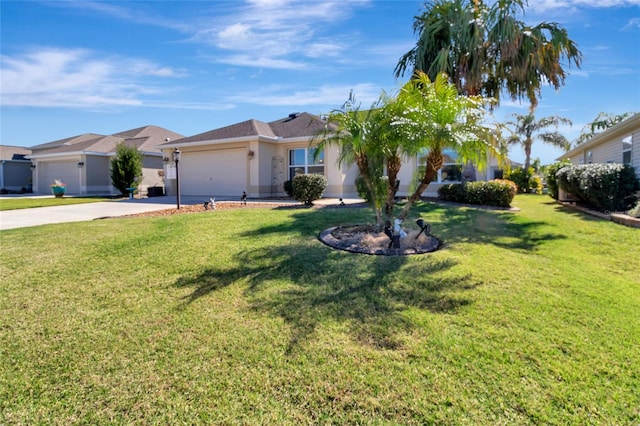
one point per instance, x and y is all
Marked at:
(301, 162)
(451, 170)
(589, 157)
(626, 150)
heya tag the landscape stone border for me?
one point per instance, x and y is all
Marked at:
(327, 238)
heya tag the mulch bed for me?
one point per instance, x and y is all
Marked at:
(366, 239)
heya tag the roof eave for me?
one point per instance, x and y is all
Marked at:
(620, 128)
(259, 138)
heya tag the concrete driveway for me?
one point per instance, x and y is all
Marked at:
(22, 218)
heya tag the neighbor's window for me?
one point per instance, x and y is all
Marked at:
(301, 162)
(589, 157)
(626, 150)
(451, 170)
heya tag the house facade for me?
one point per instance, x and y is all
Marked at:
(83, 162)
(618, 144)
(15, 169)
(258, 157)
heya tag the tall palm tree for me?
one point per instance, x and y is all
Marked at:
(485, 49)
(525, 129)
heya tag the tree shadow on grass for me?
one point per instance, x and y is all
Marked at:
(497, 228)
(307, 284)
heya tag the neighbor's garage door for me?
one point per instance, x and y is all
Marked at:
(214, 173)
(66, 171)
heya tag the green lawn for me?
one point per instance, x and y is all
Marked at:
(28, 203)
(244, 317)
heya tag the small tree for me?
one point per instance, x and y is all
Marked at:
(126, 168)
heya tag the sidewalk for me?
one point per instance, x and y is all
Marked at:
(22, 218)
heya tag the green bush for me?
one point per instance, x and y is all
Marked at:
(497, 193)
(453, 192)
(603, 187)
(525, 181)
(288, 187)
(552, 180)
(308, 188)
(635, 212)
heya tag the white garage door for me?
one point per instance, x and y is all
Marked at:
(214, 173)
(66, 171)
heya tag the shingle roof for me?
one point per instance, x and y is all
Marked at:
(297, 125)
(247, 128)
(8, 152)
(145, 138)
(294, 126)
(67, 141)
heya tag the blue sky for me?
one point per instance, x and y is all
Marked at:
(73, 67)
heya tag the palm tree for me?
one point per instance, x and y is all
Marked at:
(485, 49)
(356, 134)
(437, 118)
(525, 129)
(602, 122)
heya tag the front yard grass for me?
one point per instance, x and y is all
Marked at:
(244, 317)
(29, 203)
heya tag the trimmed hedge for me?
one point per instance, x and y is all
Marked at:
(498, 192)
(603, 187)
(552, 180)
(308, 188)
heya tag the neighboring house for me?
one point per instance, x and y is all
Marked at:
(258, 157)
(83, 162)
(15, 170)
(618, 144)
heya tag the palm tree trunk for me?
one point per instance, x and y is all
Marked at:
(527, 155)
(393, 167)
(363, 168)
(434, 162)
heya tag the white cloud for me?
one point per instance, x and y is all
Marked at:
(278, 32)
(77, 78)
(634, 23)
(546, 5)
(333, 95)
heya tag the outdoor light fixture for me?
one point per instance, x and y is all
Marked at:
(250, 154)
(176, 159)
(165, 159)
(33, 166)
(80, 164)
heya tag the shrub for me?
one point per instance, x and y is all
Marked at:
(307, 188)
(288, 187)
(552, 180)
(535, 184)
(635, 212)
(453, 192)
(525, 181)
(497, 193)
(603, 187)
